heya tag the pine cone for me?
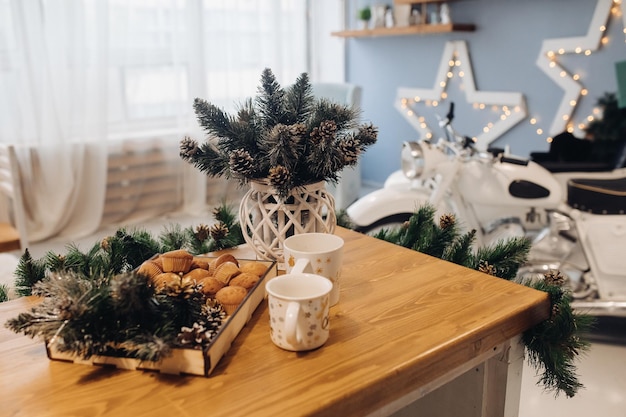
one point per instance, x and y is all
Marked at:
(446, 221)
(350, 150)
(555, 311)
(554, 277)
(327, 130)
(188, 149)
(104, 243)
(202, 232)
(297, 132)
(241, 163)
(485, 267)
(367, 134)
(279, 177)
(185, 288)
(315, 135)
(219, 231)
(195, 336)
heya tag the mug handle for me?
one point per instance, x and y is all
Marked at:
(302, 265)
(293, 334)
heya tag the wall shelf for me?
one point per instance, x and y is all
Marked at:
(422, 29)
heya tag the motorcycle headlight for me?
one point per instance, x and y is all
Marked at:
(412, 160)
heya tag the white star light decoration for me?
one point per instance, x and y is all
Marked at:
(512, 106)
(548, 61)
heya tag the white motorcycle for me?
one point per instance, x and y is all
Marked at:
(577, 225)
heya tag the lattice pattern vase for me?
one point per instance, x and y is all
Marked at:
(267, 220)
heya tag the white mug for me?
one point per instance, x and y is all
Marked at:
(298, 306)
(316, 253)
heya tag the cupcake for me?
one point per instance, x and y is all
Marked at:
(200, 263)
(230, 297)
(166, 280)
(246, 280)
(150, 268)
(177, 261)
(197, 274)
(226, 257)
(256, 268)
(209, 286)
(226, 271)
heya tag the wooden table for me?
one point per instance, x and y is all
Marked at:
(406, 325)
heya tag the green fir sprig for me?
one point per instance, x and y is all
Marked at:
(552, 345)
(127, 248)
(284, 136)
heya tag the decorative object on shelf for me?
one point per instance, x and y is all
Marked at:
(378, 14)
(284, 144)
(552, 345)
(444, 14)
(416, 16)
(402, 14)
(389, 19)
(364, 15)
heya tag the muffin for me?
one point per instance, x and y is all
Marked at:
(256, 268)
(230, 297)
(210, 286)
(226, 257)
(166, 280)
(200, 263)
(150, 269)
(197, 274)
(226, 271)
(177, 261)
(246, 280)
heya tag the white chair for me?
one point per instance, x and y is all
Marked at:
(347, 189)
(13, 235)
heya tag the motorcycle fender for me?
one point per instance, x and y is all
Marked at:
(386, 202)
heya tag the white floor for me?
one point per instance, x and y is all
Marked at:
(602, 370)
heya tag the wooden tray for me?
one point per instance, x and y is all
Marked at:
(187, 361)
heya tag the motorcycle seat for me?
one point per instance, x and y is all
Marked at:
(597, 196)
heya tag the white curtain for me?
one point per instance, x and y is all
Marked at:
(82, 79)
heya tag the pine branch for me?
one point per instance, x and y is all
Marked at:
(212, 119)
(4, 293)
(419, 229)
(460, 250)
(554, 344)
(27, 273)
(299, 101)
(343, 116)
(270, 100)
(508, 255)
(173, 237)
(211, 161)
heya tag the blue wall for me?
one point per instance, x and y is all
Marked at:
(503, 52)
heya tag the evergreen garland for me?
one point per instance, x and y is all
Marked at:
(126, 249)
(552, 345)
(285, 137)
(95, 303)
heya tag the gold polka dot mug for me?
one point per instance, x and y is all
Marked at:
(316, 253)
(298, 306)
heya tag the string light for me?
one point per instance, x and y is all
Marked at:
(548, 62)
(510, 108)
